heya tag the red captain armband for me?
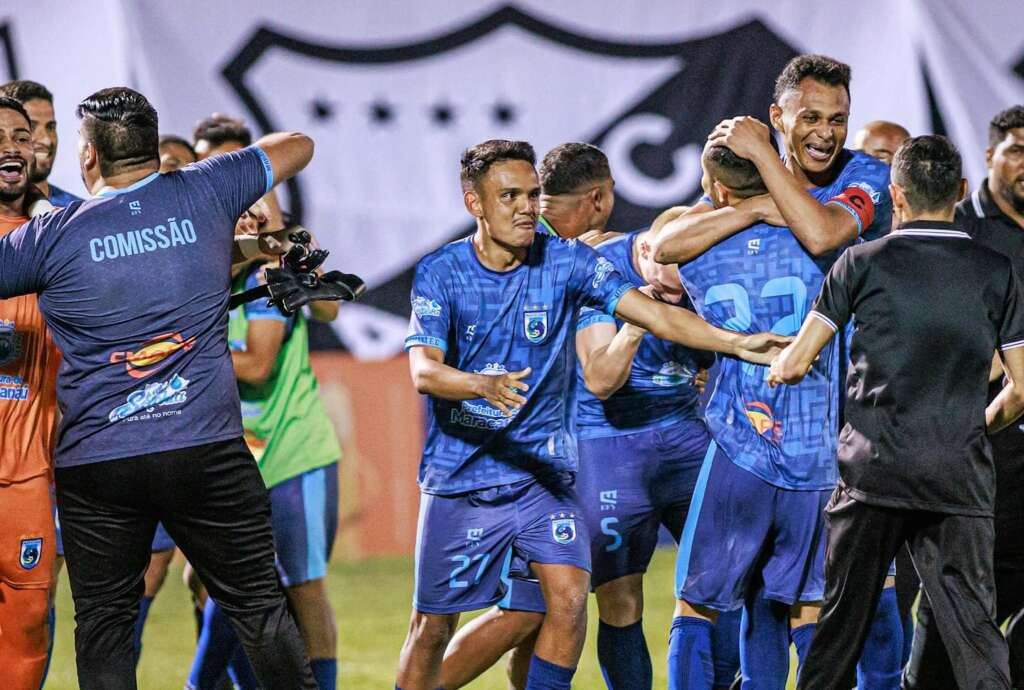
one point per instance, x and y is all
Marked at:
(858, 201)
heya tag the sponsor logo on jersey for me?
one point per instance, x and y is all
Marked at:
(603, 268)
(163, 393)
(473, 536)
(135, 207)
(10, 342)
(763, 420)
(423, 307)
(31, 553)
(672, 374)
(869, 190)
(257, 446)
(535, 325)
(152, 355)
(493, 369)
(754, 246)
(563, 528)
(609, 499)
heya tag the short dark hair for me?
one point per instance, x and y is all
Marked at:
(175, 139)
(929, 170)
(24, 90)
(122, 125)
(219, 129)
(477, 160)
(8, 103)
(738, 174)
(1003, 122)
(821, 68)
(568, 167)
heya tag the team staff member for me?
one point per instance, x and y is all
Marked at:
(28, 408)
(196, 475)
(880, 139)
(994, 216)
(915, 464)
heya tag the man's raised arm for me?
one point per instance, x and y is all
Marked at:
(289, 153)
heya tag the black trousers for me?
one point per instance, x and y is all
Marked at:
(214, 504)
(929, 651)
(953, 557)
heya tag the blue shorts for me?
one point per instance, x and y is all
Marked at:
(740, 527)
(630, 485)
(465, 544)
(304, 517)
(161, 539)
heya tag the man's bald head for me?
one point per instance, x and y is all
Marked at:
(880, 139)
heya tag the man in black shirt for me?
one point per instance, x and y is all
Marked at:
(994, 216)
(915, 464)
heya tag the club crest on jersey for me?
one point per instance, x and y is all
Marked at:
(10, 342)
(535, 325)
(563, 528)
(31, 552)
(763, 420)
(602, 270)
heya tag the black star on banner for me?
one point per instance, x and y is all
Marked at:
(321, 109)
(443, 115)
(381, 112)
(503, 113)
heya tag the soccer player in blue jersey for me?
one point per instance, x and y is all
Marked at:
(828, 196)
(488, 342)
(641, 394)
(149, 256)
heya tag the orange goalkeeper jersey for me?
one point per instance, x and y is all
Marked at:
(28, 385)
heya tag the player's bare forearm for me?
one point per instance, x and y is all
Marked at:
(819, 228)
(692, 233)
(674, 323)
(433, 377)
(1008, 406)
(606, 366)
(795, 361)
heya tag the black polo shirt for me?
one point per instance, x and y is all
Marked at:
(979, 216)
(931, 306)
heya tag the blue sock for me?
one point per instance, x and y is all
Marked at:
(764, 644)
(802, 639)
(689, 654)
(51, 623)
(725, 644)
(880, 664)
(140, 623)
(623, 656)
(217, 644)
(326, 673)
(240, 671)
(545, 675)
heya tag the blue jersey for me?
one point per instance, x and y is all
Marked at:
(60, 198)
(659, 390)
(762, 279)
(491, 322)
(861, 189)
(134, 287)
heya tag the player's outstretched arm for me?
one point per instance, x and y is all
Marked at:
(686, 328)
(289, 152)
(432, 376)
(795, 361)
(606, 355)
(697, 230)
(1008, 406)
(819, 228)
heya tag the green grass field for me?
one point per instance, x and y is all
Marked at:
(371, 599)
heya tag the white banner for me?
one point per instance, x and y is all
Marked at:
(393, 91)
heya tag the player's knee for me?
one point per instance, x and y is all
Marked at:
(621, 601)
(431, 630)
(23, 617)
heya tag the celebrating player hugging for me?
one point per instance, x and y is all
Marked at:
(855, 315)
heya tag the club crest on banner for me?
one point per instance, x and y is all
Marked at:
(418, 105)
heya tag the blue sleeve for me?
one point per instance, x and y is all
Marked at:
(259, 309)
(588, 317)
(430, 322)
(596, 281)
(238, 178)
(867, 177)
(22, 256)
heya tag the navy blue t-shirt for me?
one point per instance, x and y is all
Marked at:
(134, 286)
